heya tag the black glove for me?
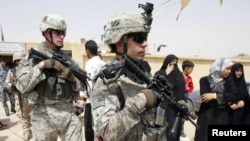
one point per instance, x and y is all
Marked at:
(151, 96)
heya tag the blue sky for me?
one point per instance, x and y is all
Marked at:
(204, 28)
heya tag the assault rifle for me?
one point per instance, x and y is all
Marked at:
(162, 86)
(80, 74)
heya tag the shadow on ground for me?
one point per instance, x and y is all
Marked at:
(9, 123)
(3, 138)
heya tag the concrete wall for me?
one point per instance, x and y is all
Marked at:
(201, 68)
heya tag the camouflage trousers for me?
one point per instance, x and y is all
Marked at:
(51, 121)
(4, 98)
(24, 115)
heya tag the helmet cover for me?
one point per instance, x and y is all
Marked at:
(122, 24)
(18, 56)
(52, 21)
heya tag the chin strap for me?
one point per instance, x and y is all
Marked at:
(50, 34)
(125, 44)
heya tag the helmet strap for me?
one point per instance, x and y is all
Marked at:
(51, 39)
(125, 43)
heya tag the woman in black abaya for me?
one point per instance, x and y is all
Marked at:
(171, 71)
(238, 115)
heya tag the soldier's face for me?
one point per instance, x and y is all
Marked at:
(17, 62)
(136, 46)
(58, 37)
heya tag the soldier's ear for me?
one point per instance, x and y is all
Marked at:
(120, 43)
(119, 46)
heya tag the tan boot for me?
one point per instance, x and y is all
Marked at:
(27, 135)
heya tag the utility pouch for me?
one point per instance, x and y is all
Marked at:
(149, 136)
(55, 89)
(148, 117)
(154, 134)
(50, 89)
(59, 88)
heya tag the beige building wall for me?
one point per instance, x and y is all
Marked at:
(201, 68)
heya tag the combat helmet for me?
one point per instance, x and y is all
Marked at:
(52, 21)
(124, 23)
(18, 56)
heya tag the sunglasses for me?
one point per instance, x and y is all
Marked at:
(58, 32)
(138, 37)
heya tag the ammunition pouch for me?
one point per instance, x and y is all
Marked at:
(154, 134)
(54, 89)
(148, 117)
(153, 117)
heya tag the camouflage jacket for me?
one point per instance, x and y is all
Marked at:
(131, 122)
(29, 75)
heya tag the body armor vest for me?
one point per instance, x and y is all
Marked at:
(53, 89)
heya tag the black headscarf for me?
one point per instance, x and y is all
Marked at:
(240, 82)
(176, 77)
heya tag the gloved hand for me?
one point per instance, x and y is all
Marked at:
(183, 103)
(151, 97)
(50, 64)
(61, 71)
(66, 74)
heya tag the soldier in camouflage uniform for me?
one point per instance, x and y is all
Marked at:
(50, 86)
(6, 93)
(123, 108)
(22, 108)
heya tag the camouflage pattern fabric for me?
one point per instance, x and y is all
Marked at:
(24, 119)
(5, 93)
(49, 121)
(54, 118)
(24, 113)
(124, 23)
(132, 123)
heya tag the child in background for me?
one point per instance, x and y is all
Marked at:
(187, 69)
